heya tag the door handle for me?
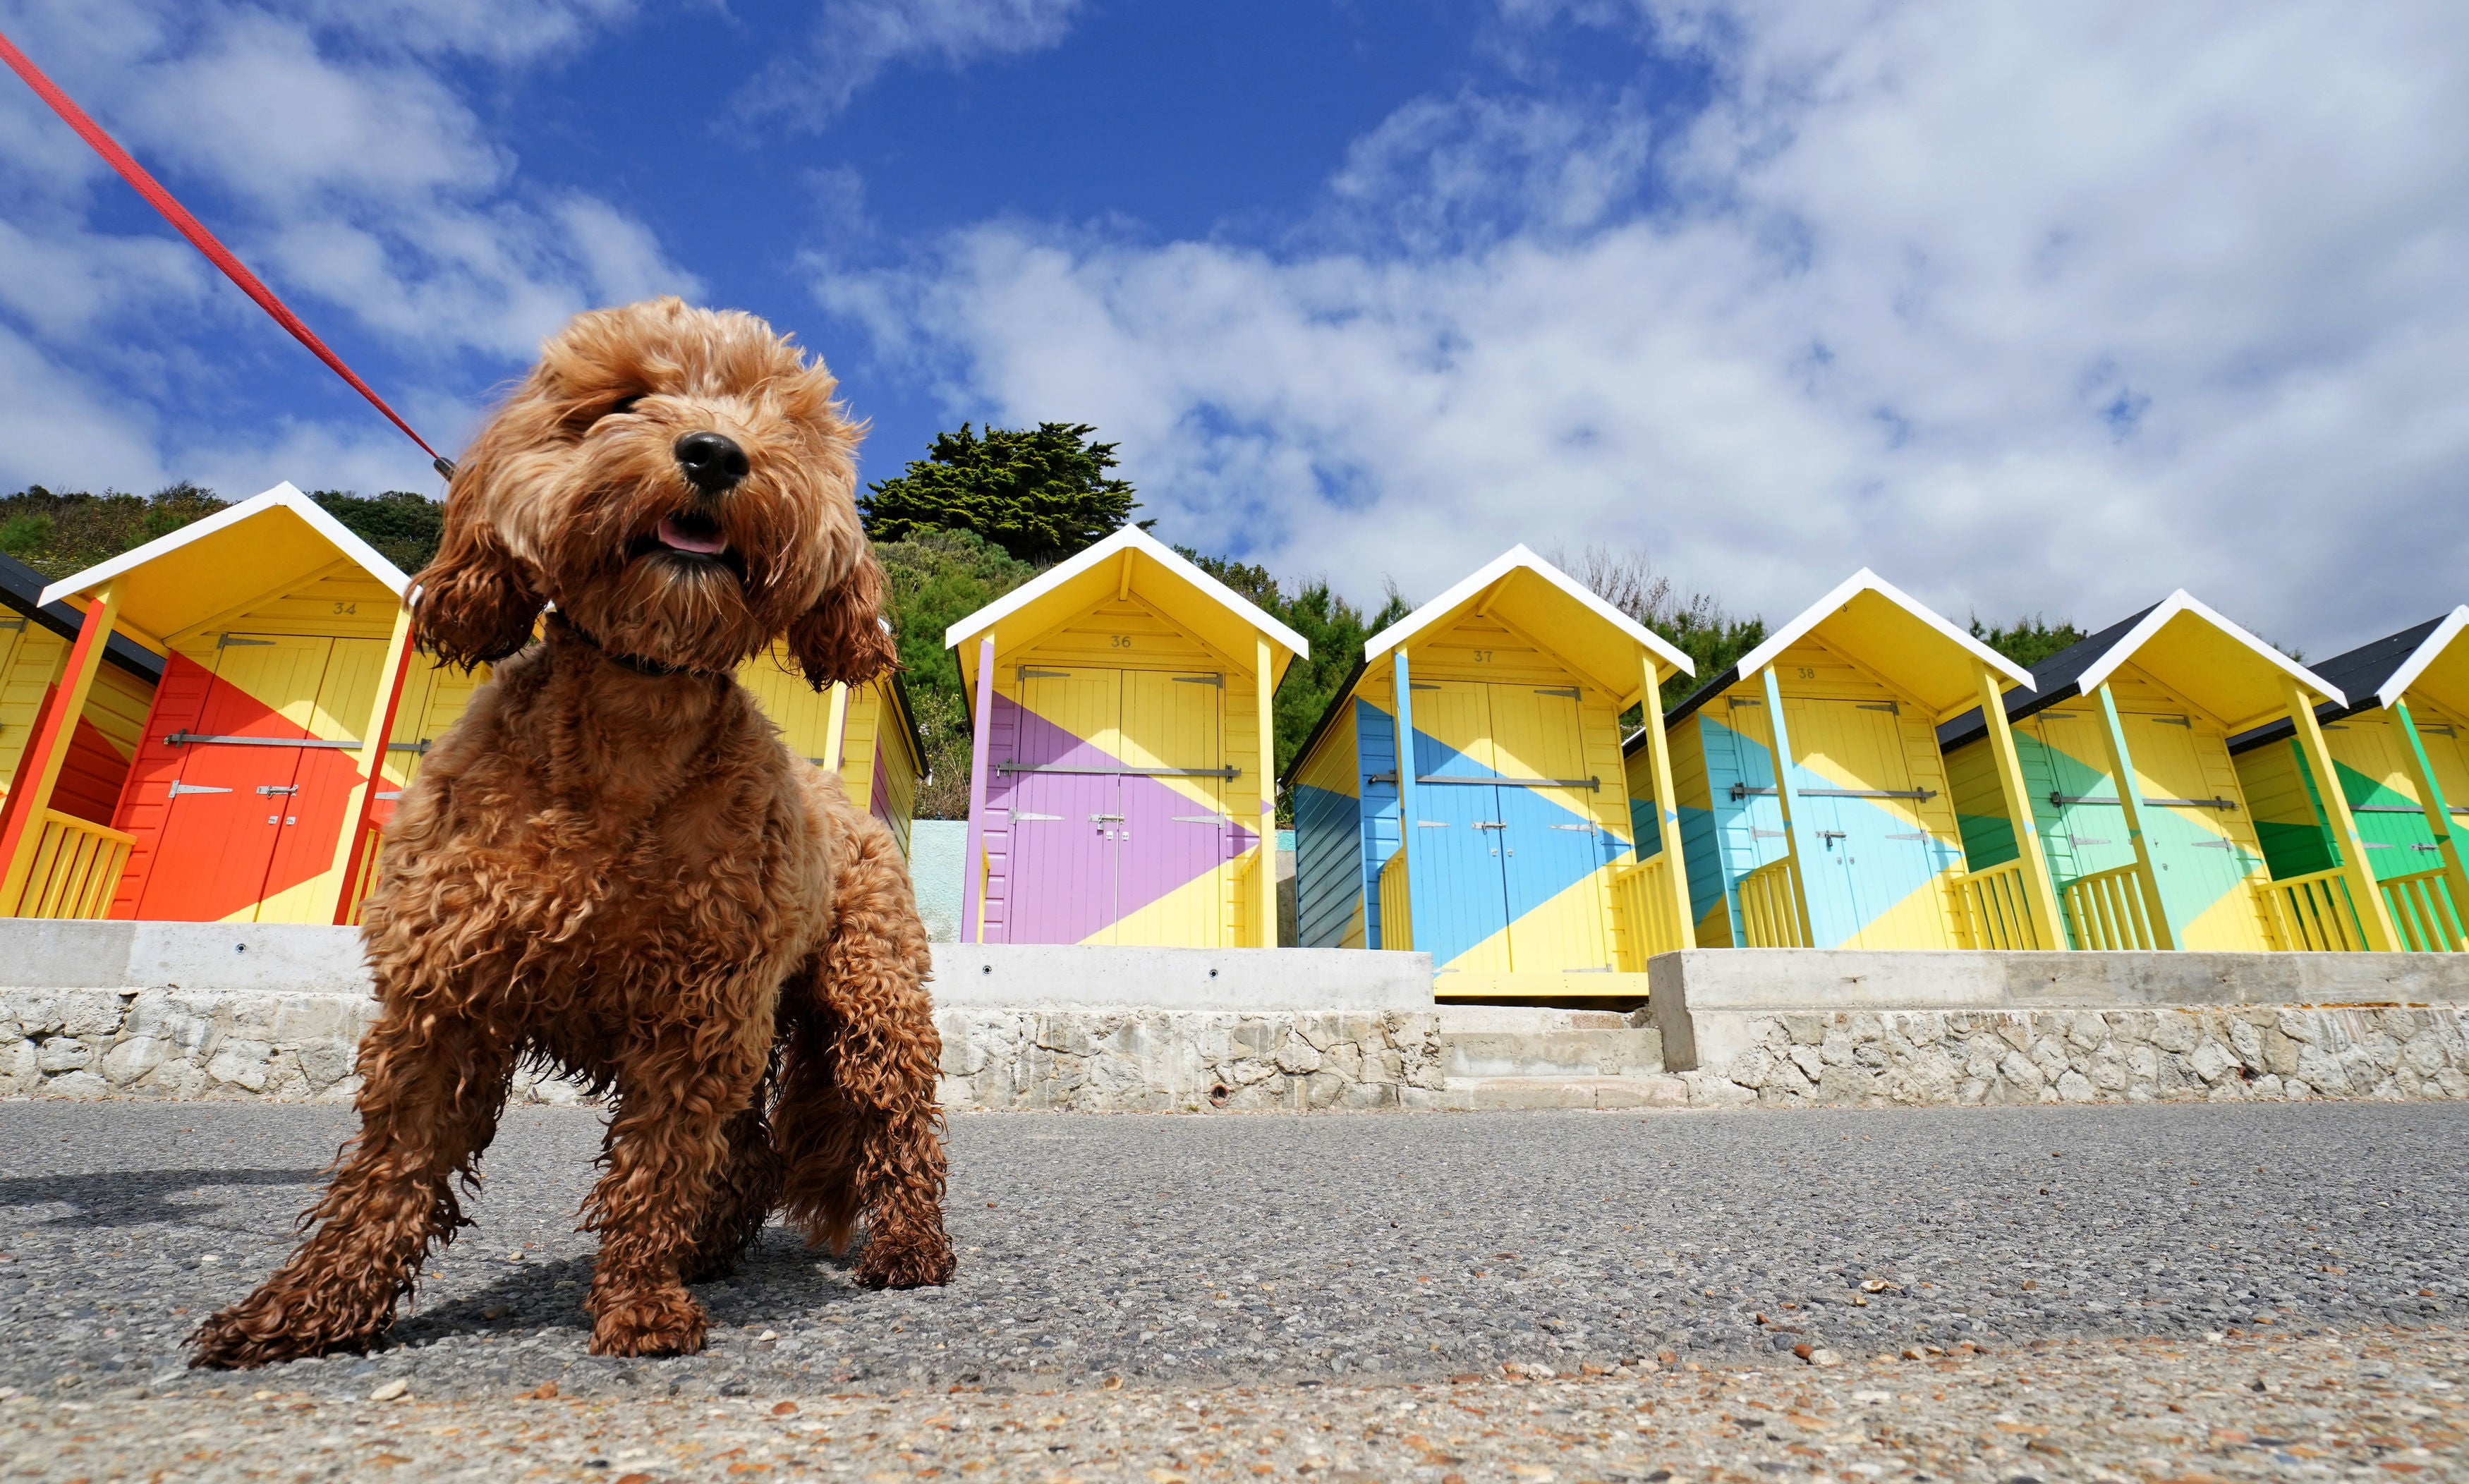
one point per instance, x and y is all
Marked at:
(270, 790)
(1096, 819)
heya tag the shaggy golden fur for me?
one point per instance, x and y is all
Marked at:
(613, 864)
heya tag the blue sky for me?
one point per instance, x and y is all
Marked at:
(2029, 308)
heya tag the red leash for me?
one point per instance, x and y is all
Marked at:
(199, 238)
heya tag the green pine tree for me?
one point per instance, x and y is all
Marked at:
(1041, 494)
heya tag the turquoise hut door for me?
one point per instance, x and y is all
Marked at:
(1462, 898)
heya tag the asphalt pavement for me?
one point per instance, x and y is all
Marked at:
(1228, 1249)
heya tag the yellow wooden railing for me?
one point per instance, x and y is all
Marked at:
(2107, 910)
(364, 870)
(2313, 914)
(1771, 906)
(2424, 914)
(1992, 909)
(1642, 904)
(1397, 915)
(76, 870)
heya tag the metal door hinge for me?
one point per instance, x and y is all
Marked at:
(1199, 819)
(178, 790)
(1577, 829)
(1431, 823)
(2173, 720)
(235, 641)
(1736, 702)
(1023, 672)
(1569, 690)
(1217, 680)
(1893, 708)
(1018, 816)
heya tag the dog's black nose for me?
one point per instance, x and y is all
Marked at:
(712, 462)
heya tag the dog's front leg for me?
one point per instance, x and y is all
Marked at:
(857, 1125)
(432, 1088)
(667, 1152)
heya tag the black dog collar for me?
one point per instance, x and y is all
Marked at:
(656, 669)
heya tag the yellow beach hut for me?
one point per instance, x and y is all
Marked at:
(1854, 844)
(2400, 748)
(869, 734)
(1509, 851)
(288, 685)
(34, 641)
(1122, 785)
(2173, 860)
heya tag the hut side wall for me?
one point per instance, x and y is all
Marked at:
(1328, 840)
(1375, 741)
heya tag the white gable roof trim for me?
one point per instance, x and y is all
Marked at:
(1867, 581)
(282, 494)
(2098, 672)
(1493, 571)
(2434, 643)
(1129, 538)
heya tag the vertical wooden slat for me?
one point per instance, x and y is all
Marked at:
(2439, 815)
(1266, 720)
(1667, 807)
(39, 771)
(2040, 891)
(1409, 803)
(973, 895)
(1779, 738)
(835, 729)
(2162, 930)
(2367, 902)
(371, 765)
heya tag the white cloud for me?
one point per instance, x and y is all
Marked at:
(2049, 308)
(856, 41)
(324, 143)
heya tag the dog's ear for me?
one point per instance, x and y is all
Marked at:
(841, 640)
(474, 603)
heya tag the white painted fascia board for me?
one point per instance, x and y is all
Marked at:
(283, 494)
(2097, 673)
(1129, 538)
(1493, 571)
(2397, 686)
(1867, 581)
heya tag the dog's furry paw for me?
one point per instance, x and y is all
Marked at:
(259, 1331)
(901, 1260)
(663, 1322)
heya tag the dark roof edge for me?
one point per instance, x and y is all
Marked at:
(909, 723)
(21, 584)
(2286, 727)
(1338, 700)
(1692, 703)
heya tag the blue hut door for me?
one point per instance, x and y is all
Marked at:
(1462, 898)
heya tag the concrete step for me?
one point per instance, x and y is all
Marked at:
(1509, 1094)
(1493, 1041)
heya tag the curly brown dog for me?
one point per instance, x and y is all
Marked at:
(613, 864)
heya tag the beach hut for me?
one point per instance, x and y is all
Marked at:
(1122, 785)
(287, 684)
(2397, 748)
(34, 642)
(868, 733)
(1507, 850)
(2174, 860)
(1855, 844)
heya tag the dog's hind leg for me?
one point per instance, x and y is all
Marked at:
(667, 1152)
(434, 1085)
(857, 1124)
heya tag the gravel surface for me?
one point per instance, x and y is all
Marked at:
(2367, 1406)
(1270, 1249)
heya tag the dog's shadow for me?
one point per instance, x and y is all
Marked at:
(137, 1198)
(776, 1278)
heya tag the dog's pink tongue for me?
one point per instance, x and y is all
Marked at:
(673, 535)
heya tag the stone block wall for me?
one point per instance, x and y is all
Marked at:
(299, 1047)
(1108, 1059)
(2157, 1055)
